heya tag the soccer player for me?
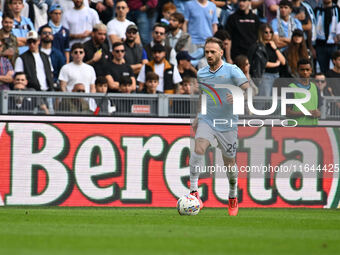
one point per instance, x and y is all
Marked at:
(221, 73)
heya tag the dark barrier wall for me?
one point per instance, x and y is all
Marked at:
(146, 164)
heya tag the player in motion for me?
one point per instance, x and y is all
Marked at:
(207, 130)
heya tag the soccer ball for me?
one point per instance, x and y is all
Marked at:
(188, 205)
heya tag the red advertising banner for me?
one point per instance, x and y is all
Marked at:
(131, 165)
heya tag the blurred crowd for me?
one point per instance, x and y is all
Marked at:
(156, 46)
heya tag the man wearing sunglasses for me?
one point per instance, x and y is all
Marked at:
(77, 71)
(158, 37)
(35, 64)
(118, 68)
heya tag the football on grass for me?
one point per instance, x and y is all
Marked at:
(188, 205)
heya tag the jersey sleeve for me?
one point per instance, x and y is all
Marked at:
(238, 76)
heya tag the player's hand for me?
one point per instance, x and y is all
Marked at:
(230, 98)
(86, 33)
(100, 7)
(272, 44)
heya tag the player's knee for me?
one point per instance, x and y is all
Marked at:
(199, 150)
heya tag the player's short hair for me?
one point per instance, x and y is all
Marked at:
(151, 76)
(303, 61)
(11, 1)
(214, 40)
(320, 73)
(178, 16)
(100, 80)
(335, 54)
(186, 78)
(77, 46)
(99, 26)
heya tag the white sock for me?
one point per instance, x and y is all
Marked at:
(196, 164)
(232, 177)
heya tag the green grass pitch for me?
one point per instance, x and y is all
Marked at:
(86, 231)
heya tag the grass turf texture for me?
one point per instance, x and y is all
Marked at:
(162, 231)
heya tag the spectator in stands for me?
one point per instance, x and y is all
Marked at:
(77, 71)
(296, 50)
(36, 65)
(61, 35)
(243, 26)
(185, 68)
(168, 74)
(10, 46)
(56, 56)
(327, 17)
(116, 28)
(176, 38)
(6, 70)
(321, 83)
(243, 63)
(24, 104)
(104, 9)
(75, 105)
(101, 106)
(224, 36)
(284, 25)
(126, 85)
(272, 6)
(133, 50)
(36, 10)
(118, 68)
(200, 22)
(300, 12)
(158, 37)
(22, 25)
(151, 83)
(333, 75)
(313, 105)
(80, 21)
(97, 52)
(167, 10)
(144, 14)
(184, 88)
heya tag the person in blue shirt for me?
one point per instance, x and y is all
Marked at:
(284, 25)
(22, 25)
(213, 80)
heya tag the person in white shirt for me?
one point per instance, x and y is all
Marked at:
(77, 71)
(80, 21)
(116, 28)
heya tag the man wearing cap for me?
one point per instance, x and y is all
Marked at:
(22, 25)
(80, 21)
(133, 50)
(184, 66)
(61, 35)
(168, 74)
(97, 52)
(35, 64)
(158, 37)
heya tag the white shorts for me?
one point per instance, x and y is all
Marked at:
(226, 141)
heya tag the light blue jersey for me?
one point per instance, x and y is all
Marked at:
(217, 106)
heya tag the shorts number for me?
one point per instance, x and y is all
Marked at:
(231, 147)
